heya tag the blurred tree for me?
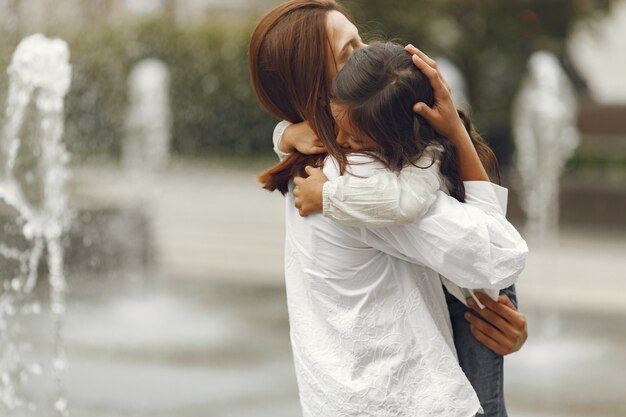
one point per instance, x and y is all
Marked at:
(214, 110)
(490, 41)
(9, 21)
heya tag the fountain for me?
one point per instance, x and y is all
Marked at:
(544, 126)
(145, 154)
(33, 174)
(147, 143)
(133, 322)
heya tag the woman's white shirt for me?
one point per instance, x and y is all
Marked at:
(369, 324)
(389, 198)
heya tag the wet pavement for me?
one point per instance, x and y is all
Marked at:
(223, 350)
(206, 333)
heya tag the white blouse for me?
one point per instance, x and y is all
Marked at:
(388, 198)
(385, 199)
(382, 200)
(369, 324)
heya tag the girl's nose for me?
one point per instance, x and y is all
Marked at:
(342, 139)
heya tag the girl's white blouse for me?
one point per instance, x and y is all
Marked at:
(369, 324)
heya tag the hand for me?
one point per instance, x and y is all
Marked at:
(443, 116)
(502, 328)
(308, 192)
(302, 137)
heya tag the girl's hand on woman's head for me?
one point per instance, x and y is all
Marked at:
(443, 116)
(308, 192)
(301, 137)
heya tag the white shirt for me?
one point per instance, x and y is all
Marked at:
(388, 198)
(369, 324)
(385, 199)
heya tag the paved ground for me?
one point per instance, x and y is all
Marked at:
(206, 335)
(216, 224)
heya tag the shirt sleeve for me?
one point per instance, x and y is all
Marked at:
(471, 244)
(278, 136)
(386, 198)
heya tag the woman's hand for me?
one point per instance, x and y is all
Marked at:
(502, 328)
(443, 116)
(301, 137)
(308, 192)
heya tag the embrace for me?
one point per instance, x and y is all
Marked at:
(399, 261)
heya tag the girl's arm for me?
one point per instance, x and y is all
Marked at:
(383, 199)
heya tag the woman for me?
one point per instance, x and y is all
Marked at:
(296, 32)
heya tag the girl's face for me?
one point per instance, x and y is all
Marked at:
(344, 40)
(348, 136)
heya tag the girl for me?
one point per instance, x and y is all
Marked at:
(373, 96)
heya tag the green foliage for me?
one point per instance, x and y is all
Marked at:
(490, 41)
(216, 113)
(214, 109)
(95, 105)
(597, 161)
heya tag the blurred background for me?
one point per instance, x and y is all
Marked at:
(175, 297)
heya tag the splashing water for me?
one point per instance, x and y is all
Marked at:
(147, 141)
(145, 155)
(544, 125)
(33, 174)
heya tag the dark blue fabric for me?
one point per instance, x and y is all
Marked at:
(482, 366)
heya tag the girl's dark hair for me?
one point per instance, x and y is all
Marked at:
(289, 57)
(379, 86)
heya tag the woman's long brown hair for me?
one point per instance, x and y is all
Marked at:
(379, 86)
(289, 58)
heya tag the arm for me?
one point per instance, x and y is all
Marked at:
(471, 244)
(383, 199)
(444, 117)
(299, 137)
